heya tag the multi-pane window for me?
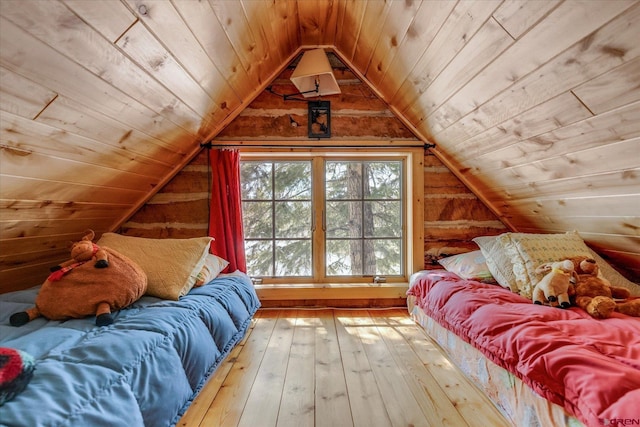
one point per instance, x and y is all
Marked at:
(322, 217)
(277, 213)
(363, 218)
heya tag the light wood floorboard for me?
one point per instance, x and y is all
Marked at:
(338, 368)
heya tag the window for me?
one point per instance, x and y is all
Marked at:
(364, 218)
(326, 217)
(277, 217)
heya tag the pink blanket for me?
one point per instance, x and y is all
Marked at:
(590, 367)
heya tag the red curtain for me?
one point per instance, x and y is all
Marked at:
(225, 213)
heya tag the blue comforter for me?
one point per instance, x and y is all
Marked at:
(144, 369)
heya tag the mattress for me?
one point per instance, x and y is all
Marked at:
(514, 399)
(143, 370)
(589, 367)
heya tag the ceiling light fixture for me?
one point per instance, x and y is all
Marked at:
(313, 76)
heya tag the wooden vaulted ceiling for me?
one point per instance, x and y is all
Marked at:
(535, 105)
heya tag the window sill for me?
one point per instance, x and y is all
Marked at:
(404, 285)
(333, 291)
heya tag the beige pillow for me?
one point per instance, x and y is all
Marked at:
(213, 265)
(527, 251)
(172, 265)
(498, 261)
(513, 257)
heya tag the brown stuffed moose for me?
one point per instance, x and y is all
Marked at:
(95, 281)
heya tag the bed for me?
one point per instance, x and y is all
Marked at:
(540, 365)
(142, 370)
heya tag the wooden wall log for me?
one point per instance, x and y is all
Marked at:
(452, 214)
(179, 210)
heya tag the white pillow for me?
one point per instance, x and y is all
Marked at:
(498, 261)
(172, 265)
(468, 265)
(213, 265)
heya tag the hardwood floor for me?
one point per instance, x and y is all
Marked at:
(338, 368)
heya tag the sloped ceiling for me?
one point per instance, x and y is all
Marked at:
(535, 105)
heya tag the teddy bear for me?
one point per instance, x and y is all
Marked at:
(595, 295)
(553, 288)
(96, 281)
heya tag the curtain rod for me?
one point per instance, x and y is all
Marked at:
(210, 145)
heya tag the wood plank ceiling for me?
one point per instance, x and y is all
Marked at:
(535, 105)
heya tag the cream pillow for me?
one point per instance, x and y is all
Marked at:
(172, 265)
(498, 261)
(527, 251)
(509, 253)
(213, 265)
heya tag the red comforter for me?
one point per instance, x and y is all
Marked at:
(590, 367)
